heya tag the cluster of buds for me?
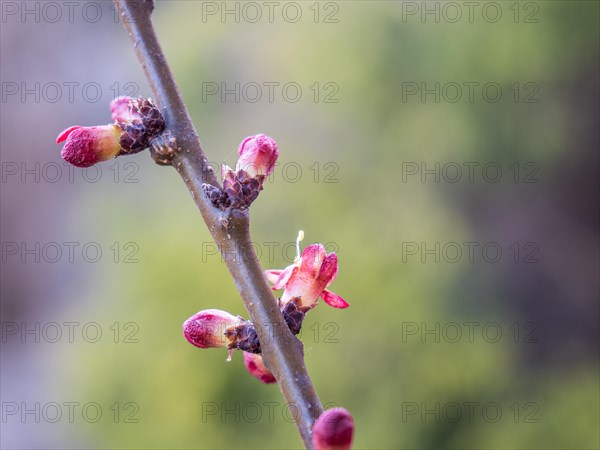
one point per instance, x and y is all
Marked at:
(137, 124)
(257, 157)
(136, 121)
(303, 283)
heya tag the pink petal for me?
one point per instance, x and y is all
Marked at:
(329, 269)
(285, 277)
(255, 365)
(272, 275)
(243, 144)
(334, 300)
(312, 259)
(64, 134)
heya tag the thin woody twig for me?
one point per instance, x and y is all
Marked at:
(282, 352)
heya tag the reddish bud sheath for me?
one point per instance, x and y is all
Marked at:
(86, 146)
(206, 329)
(255, 365)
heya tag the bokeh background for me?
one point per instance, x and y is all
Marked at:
(418, 357)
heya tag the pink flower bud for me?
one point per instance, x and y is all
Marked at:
(258, 155)
(86, 146)
(121, 111)
(333, 430)
(206, 329)
(255, 365)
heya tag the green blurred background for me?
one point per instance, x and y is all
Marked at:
(394, 358)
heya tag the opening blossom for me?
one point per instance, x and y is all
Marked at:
(308, 277)
(333, 430)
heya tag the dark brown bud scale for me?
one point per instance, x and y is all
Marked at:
(217, 197)
(163, 148)
(148, 123)
(239, 190)
(243, 337)
(294, 314)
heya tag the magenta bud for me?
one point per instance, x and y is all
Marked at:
(121, 110)
(258, 155)
(206, 329)
(333, 430)
(255, 365)
(86, 146)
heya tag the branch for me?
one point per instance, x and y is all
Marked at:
(282, 352)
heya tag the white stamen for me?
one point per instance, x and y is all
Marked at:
(298, 240)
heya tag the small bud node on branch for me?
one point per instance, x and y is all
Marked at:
(163, 149)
